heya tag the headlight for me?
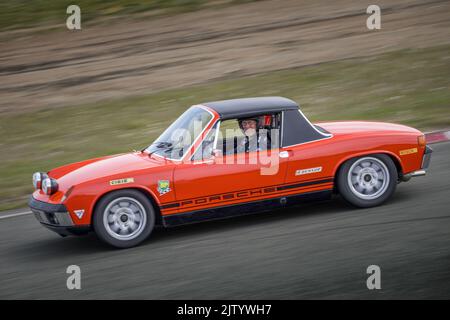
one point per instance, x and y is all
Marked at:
(38, 177)
(49, 186)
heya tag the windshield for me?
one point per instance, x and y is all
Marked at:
(176, 141)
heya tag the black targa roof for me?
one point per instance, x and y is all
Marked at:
(241, 108)
(296, 129)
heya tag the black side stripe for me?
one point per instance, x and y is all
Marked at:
(276, 188)
(304, 184)
(240, 209)
(271, 186)
(171, 205)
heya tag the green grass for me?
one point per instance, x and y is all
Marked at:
(408, 86)
(16, 14)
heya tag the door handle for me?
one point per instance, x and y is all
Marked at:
(284, 154)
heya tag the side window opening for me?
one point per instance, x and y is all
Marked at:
(236, 139)
(233, 136)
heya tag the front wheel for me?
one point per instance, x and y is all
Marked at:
(124, 218)
(367, 181)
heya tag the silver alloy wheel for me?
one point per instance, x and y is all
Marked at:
(124, 218)
(368, 178)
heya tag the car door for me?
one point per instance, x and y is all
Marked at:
(228, 179)
(310, 167)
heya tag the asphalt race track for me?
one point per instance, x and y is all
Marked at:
(321, 250)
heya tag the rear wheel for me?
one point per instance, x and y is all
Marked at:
(367, 181)
(124, 218)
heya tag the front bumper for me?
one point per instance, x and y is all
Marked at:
(56, 218)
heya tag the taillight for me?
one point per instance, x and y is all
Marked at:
(421, 141)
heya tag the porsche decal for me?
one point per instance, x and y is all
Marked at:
(247, 194)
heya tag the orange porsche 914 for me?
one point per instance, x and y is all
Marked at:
(227, 158)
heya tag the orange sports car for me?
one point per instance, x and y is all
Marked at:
(226, 158)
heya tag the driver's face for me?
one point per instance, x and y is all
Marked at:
(249, 127)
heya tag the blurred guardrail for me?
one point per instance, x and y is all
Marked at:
(437, 136)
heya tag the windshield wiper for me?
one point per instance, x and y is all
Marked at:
(161, 145)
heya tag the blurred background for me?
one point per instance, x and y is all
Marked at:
(136, 65)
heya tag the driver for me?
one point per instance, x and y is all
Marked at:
(252, 140)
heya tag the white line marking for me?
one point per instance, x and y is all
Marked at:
(15, 215)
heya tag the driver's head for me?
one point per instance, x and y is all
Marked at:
(248, 126)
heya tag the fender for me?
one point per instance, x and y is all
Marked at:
(366, 153)
(143, 189)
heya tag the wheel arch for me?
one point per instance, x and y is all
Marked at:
(144, 191)
(393, 156)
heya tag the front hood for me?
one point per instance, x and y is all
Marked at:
(103, 167)
(352, 127)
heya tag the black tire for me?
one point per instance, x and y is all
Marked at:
(135, 199)
(354, 192)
